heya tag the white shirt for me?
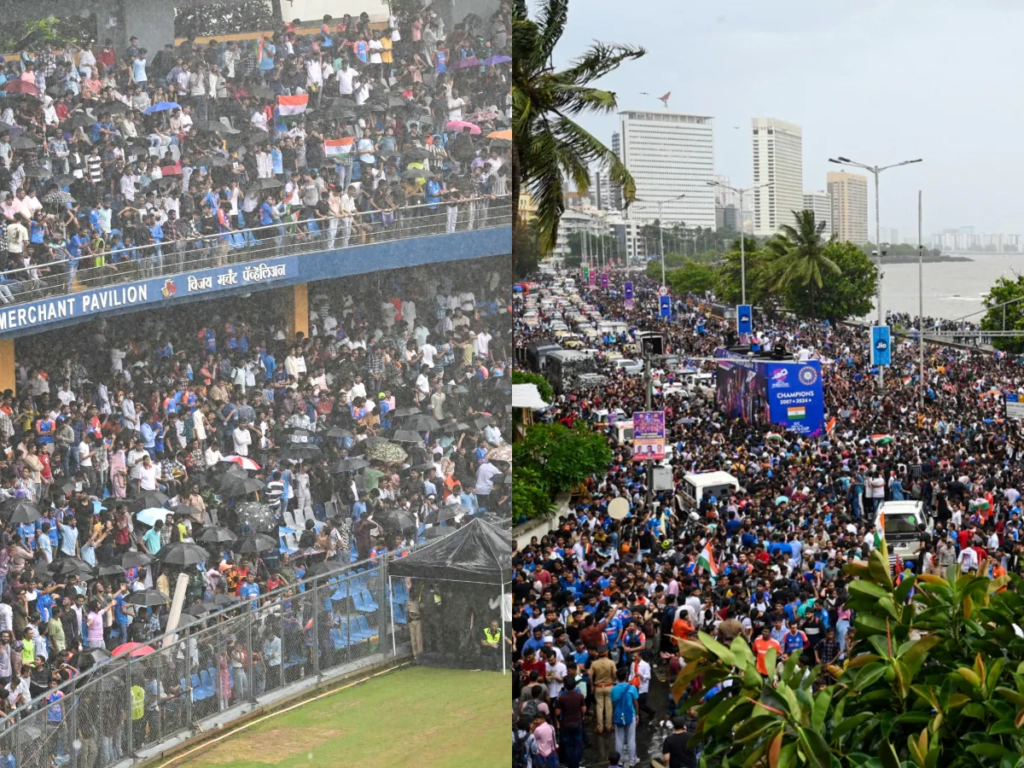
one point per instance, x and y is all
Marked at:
(428, 351)
(148, 477)
(345, 77)
(642, 670)
(242, 440)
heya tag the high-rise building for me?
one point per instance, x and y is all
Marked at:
(779, 162)
(669, 154)
(821, 204)
(724, 197)
(601, 194)
(616, 190)
(849, 193)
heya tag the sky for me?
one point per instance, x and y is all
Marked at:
(877, 81)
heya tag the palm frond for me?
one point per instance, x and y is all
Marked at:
(545, 187)
(573, 99)
(551, 19)
(598, 61)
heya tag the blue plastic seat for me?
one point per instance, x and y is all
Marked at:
(400, 617)
(338, 639)
(365, 628)
(198, 689)
(368, 601)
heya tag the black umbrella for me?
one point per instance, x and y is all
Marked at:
(320, 569)
(110, 570)
(113, 107)
(482, 421)
(71, 565)
(406, 410)
(415, 153)
(425, 467)
(233, 485)
(257, 517)
(148, 597)
(450, 512)
(406, 436)
(186, 509)
(338, 432)
(4, 127)
(23, 142)
(299, 452)
(148, 499)
(38, 171)
(132, 559)
(217, 535)
(455, 427)
(95, 655)
(220, 600)
(82, 120)
(257, 542)
(437, 532)
(399, 518)
(421, 423)
(23, 512)
(183, 554)
(350, 465)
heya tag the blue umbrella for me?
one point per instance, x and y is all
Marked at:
(163, 106)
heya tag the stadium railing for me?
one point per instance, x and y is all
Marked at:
(128, 709)
(238, 246)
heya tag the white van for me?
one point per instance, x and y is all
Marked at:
(697, 486)
(901, 534)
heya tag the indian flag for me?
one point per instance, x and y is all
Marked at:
(881, 439)
(796, 412)
(774, 436)
(880, 530)
(336, 147)
(830, 426)
(292, 105)
(706, 560)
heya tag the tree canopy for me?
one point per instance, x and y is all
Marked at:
(1006, 289)
(548, 145)
(553, 458)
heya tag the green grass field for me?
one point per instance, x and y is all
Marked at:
(422, 717)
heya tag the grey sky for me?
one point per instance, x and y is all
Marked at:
(878, 81)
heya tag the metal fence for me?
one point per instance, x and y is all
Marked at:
(300, 237)
(126, 708)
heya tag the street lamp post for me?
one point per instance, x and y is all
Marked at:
(661, 226)
(743, 251)
(875, 170)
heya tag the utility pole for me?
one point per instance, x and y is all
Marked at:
(743, 250)
(649, 380)
(920, 306)
(876, 171)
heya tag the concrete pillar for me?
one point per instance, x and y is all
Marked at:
(8, 369)
(152, 21)
(296, 308)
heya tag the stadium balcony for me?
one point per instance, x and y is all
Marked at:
(127, 279)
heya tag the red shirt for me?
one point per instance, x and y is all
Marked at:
(761, 648)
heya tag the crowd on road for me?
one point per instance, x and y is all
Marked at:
(121, 163)
(601, 600)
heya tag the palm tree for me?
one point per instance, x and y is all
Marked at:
(799, 256)
(547, 144)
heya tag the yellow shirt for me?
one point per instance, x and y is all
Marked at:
(385, 55)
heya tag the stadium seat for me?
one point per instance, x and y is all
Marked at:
(362, 626)
(400, 617)
(338, 639)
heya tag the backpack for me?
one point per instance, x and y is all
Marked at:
(528, 713)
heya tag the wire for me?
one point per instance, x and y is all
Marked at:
(234, 731)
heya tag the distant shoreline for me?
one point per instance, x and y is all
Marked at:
(911, 259)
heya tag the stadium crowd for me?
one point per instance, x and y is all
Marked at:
(216, 445)
(116, 164)
(215, 442)
(599, 602)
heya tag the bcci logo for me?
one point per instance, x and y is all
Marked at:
(808, 375)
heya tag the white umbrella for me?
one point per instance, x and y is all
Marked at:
(151, 515)
(243, 461)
